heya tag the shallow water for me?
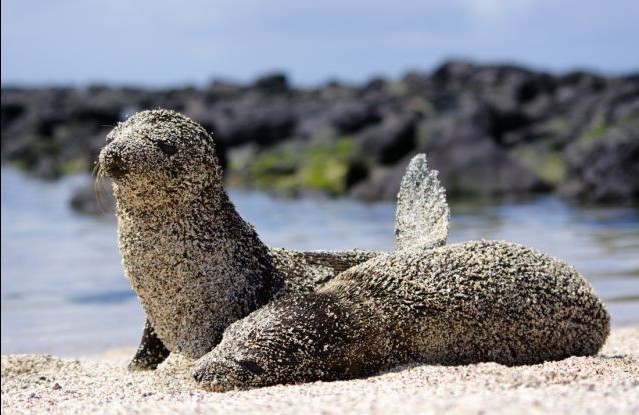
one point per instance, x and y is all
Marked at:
(63, 291)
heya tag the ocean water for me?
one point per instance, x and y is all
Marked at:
(64, 293)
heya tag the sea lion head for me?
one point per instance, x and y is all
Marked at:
(297, 337)
(159, 157)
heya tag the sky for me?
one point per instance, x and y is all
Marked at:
(160, 43)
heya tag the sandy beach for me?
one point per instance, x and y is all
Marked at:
(604, 384)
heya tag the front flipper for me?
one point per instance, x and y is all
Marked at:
(151, 351)
(304, 271)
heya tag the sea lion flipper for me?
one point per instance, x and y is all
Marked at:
(423, 214)
(151, 351)
(304, 271)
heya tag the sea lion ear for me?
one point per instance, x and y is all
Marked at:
(422, 215)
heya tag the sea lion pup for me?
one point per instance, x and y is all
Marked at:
(195, 264)
(455, 304)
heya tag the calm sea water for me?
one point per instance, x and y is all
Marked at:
(63, 290)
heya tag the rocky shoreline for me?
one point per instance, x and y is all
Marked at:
(491, 131)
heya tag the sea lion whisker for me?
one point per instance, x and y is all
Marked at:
(98, 185)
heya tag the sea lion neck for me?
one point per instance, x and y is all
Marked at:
(148, 205)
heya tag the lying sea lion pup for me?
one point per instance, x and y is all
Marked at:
(463, 303)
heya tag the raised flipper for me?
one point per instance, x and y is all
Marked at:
(151, 351)
(422, 219)
(422, 211)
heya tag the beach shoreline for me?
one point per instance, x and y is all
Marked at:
(604, 384)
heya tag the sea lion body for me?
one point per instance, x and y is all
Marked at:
(455, 304)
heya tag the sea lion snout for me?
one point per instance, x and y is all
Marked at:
(111, 162)
(220, 375)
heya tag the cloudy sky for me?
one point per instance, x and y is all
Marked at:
(175, 42)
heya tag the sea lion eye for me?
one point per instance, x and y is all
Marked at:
(167, 148)
(251, 366)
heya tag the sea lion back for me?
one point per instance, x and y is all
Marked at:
(480, 301)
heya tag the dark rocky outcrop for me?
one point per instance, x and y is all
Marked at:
(490, 131)
(391, 139)
(605, 170)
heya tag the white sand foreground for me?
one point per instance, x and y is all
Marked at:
(605, 384)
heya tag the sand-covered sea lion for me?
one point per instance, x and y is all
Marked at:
(454, 304)
(195, 264)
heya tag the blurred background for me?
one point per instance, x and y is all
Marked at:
(529, 109)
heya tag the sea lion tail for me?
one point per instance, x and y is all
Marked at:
(422, 211)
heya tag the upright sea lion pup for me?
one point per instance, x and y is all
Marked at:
(195, 264)
(452, 304)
